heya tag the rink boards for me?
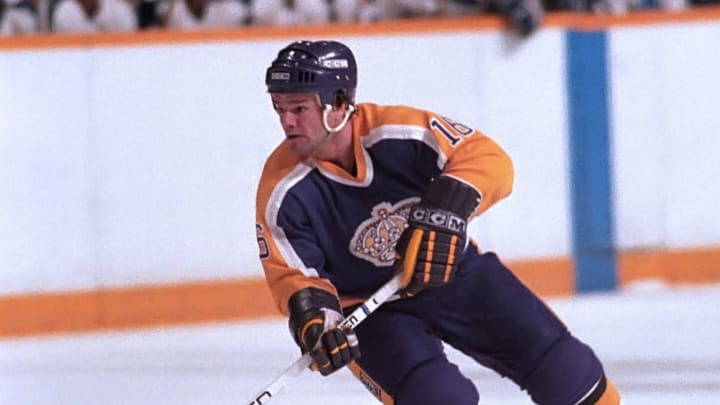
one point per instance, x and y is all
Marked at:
(130, 161)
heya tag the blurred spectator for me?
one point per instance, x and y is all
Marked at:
(524, 16)
(669, 5)
(200, 14)
(615, 6)
(18, 17)
(2, 19)
(289, 12)
(86, 16)
(21, 17)
(345, 10)
(393, 9)
(365, 11)
(147, 14)
(456, 8)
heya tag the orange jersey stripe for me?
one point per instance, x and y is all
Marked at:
(451, 258)
(429, 256)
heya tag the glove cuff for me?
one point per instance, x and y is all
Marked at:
(450, 194)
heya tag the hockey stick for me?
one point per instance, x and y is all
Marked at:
(355, 317)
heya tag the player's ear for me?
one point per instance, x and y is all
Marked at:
(340, 99)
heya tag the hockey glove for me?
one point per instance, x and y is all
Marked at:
(314, 316)
(435, 236)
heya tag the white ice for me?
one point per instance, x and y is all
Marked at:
(660, 346)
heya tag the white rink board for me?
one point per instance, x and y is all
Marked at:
(138, 165)
(665, 113)
(171, 140)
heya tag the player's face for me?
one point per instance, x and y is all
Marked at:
(301, 119)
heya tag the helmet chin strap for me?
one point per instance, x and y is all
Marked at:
(326, 111)
(331, 130)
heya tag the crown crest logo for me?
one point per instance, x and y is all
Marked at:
(376, 237)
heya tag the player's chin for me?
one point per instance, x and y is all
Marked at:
(299, 145)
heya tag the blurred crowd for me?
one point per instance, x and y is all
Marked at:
(26, 17)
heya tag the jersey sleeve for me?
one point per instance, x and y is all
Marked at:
(474, 158)
(278, 234)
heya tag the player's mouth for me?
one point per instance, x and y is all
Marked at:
(294, 137)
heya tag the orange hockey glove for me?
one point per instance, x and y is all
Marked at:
(435, 236)
(314, 316)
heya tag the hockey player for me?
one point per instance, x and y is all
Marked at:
(356, 192)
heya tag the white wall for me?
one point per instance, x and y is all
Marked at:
(134, 165)
(665, 89)
(47, 237)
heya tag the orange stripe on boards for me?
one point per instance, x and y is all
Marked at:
(74, 311)
(47, 313)
(680, 266)
(387, 28)
(585, 21)
(546, 277)
(131, 307)
(145, 306)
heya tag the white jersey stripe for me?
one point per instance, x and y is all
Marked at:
(412, 132)
(271, 215)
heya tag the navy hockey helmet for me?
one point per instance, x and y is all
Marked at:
(322, 67)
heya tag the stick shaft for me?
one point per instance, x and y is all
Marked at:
(356, 316)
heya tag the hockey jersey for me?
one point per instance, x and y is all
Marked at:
(318, 225)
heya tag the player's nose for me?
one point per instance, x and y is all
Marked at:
(288, 121)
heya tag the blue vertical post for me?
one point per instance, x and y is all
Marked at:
(590, 176)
